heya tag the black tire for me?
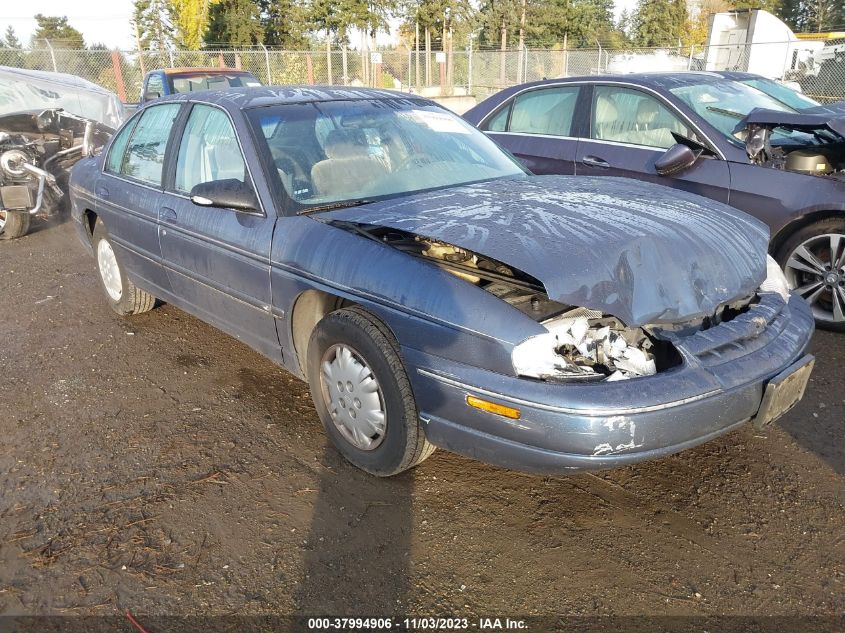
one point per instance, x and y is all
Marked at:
(17, 225)
(404, 444)
(132, 299)
(799, 237)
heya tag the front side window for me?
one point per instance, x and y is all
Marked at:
(341, 151)
(144, 156)
(209, 150)
(631, 116)
(547, 111)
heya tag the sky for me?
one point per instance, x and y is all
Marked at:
(101, 21)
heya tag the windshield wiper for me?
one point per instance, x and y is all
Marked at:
(332, 206)
(730, 113)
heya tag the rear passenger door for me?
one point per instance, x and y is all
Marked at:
(629, 129)
(218, 260)
(129, 191)
(538, 127)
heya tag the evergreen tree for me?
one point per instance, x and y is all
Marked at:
(152, 21)
(233, 23)
(285, 22)
(11, 38)
(660, 22)
(57, 30)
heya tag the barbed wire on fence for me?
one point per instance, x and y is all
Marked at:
(818, 68)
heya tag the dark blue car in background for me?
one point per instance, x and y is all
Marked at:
(432, 292)
(691, 131)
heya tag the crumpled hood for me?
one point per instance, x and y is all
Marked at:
(641, 252)
(811, 120)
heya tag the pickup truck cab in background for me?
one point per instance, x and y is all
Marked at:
(168, 81)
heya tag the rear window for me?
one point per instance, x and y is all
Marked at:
(211, 81)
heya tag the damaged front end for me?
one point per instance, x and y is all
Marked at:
(580, 344)
(37, 150)
(811, 144)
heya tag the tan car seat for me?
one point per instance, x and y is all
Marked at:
(348, 166)
(605, 125)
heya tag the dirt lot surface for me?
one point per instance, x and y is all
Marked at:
(157, 465)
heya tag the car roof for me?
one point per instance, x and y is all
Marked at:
(658, 80)
(243, 98)
(205, 70)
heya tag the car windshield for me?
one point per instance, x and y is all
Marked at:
(782, 93)
(724, 103)
(212, 81)
(339, 153)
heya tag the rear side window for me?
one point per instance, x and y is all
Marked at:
(118, 147)
(144, 156)
(155, 85)
(548, 111)
(499, 122)
(209, 150)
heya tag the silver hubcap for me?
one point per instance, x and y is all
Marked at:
(109, 270)
(353, 397)
(816, 270)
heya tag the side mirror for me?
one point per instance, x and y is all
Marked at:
(150, 95)
(225, 194)
(676, 159)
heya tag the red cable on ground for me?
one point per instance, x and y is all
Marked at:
(135, 622)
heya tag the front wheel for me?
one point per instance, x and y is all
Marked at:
(14, 224)
(813, 260)
(123, 296)
(362, 393)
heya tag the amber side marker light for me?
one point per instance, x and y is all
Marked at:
(492, 407)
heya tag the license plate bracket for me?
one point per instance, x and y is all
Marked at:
(784, 391)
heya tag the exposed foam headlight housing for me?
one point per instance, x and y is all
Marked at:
(775, 279)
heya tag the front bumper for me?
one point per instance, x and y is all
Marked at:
(571, 427)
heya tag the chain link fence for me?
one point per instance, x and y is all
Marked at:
(818, 68)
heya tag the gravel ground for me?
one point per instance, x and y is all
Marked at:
(157, 465)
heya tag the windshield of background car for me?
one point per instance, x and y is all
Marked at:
(211, 81)
(782, 93)
(724, 103)
(339, 151)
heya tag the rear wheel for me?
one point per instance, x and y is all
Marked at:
(362, 393)
(123, 296)
(14, 224)
(813, 260)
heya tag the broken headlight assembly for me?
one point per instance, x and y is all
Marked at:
(586, 345)
(775, 279)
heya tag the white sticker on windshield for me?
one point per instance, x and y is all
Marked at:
(438, 121)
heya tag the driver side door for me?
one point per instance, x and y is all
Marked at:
(217, 259)
(630, 129)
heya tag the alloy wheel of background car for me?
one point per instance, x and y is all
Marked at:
(353, 346)
(814, 264)
(353, 397)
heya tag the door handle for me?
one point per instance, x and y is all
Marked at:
(595, 161)
(166, 213)
(101, 192)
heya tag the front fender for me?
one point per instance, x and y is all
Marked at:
(427, 308)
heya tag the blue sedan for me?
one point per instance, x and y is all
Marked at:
(433, 293)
